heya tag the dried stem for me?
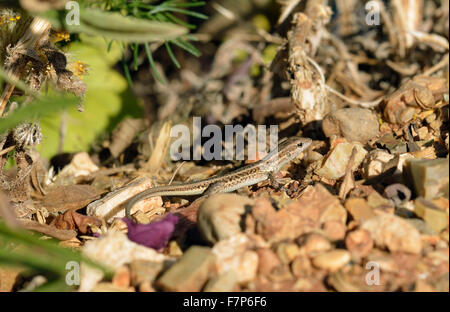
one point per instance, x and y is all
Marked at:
(37, 31)
(330, 89)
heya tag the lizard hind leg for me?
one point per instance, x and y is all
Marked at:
(212, 189)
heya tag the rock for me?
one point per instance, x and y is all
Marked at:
(430, 177)
(268, 260)
(423, 286)
(359, 209)
(122, 277)
(142, 271)
(423, 133)
(319, 200)
(332, 260)
(146, 287)
(335, 162)
(354, 124)
(354, 279)
(226, 282)
(383, 260)
(174, 249)
(359, 242)
(80, 165)
(281, 273)
(234, 254)
(110, 287)
(141, 218)
(421, 226)
(393, 145)
(334, 230)
(113, 249)
(425, 152)
(272, 225)
(436, 218)
(312, 156)
(9, 277)
(219, 216)
(394, 233)
(190, 272)
(314, 243)
(376, 163)
(375, 200)
(287, 252)
(314, 207)
(301, 267)
(442, 203)
(445, 235)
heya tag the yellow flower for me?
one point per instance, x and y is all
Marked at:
(79, 69)
(59, 36)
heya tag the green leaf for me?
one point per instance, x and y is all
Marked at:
(108, 100)
(20, 247)
(125, 28)
(172, 56)
(186, 46)
(40, 107)
(177, 10)
(152, 63)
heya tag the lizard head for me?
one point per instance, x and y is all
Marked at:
(287, 150)
(292, 147)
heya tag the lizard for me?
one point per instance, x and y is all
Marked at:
(248, 175)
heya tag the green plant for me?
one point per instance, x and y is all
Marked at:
(30, 60)
(20, 248)
(132, 24)
(165, 13)
(135, 24)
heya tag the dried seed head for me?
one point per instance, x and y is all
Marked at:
(57, 59)
(69, 82)
(8, 17)
(27, 134)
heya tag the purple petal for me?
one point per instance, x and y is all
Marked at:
(155, 234)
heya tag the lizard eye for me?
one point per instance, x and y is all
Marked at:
(300, 144)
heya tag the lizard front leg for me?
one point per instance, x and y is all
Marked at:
(274, 182)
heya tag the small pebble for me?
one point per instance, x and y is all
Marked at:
(353, 124)
(436, 218)
(430, 177)
(301, 267)
(268, 260)
(314, 243)
(219, 216)
(394, 233)
(287, 252)
(359, 242)
(332, 260)
(335, 162)
(334, 230)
